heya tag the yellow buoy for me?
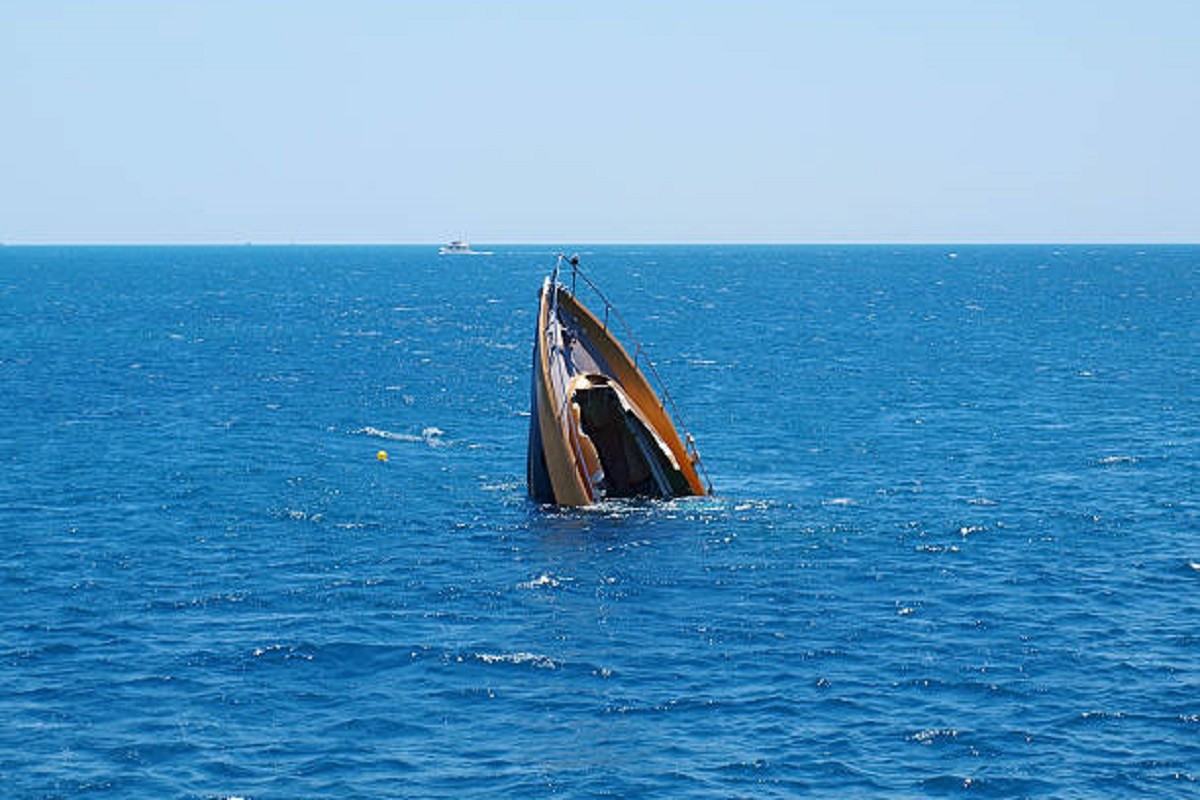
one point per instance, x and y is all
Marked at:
(381, 455)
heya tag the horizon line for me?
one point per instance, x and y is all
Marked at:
(637, 243)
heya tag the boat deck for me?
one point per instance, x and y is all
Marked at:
(570, 353)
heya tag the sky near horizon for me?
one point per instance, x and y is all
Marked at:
(526, 121)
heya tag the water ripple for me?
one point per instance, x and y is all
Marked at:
(952, 549)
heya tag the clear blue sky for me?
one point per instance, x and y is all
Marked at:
(522, 121)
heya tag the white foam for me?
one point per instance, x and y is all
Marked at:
(544, 580)
(389, 435)
(430, 436)
(929, 736)
(531, 659)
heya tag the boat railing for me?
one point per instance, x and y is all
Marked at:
(626, 334)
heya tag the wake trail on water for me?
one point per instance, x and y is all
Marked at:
(430, 436)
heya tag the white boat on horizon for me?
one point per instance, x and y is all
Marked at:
(461, 247)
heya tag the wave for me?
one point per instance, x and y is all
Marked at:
(430, 435)
(545, 580)
(931, 736)
(520, 659)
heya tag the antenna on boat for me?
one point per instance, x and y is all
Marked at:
(573, 260)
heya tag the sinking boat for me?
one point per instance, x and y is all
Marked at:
(597, 428)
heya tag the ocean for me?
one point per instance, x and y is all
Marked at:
(954, 545)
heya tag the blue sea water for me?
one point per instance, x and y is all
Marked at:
(954, 547)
